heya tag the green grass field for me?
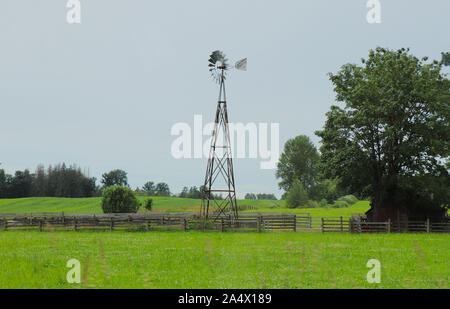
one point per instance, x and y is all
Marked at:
(160, 204)
(32, 259)
(222, 260)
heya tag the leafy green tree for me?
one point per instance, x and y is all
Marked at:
(184, 192)
(20, 185)
(3, 184)
(250, 196)
(299, 160)
(162, 189)
(297, 196)
(266, 196)
(446, 58)
(148, 204)
(115, 178)
(194, 192)
(393, 131)
(149, 187)
(119, 199)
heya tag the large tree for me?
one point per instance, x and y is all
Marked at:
(299, 160)
(390, 140)
(115, 178)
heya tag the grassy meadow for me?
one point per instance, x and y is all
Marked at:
(222, 260)
(118, 259)
(161, 204)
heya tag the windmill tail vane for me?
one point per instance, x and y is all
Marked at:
(241, 65)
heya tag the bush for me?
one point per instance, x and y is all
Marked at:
(323, 203)
(148, 204)
(297, 196)
(349, 199)
(118, 199)
(312, 204)
(340, 204)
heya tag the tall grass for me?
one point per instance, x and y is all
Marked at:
(222, 260)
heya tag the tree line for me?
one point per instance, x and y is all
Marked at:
(55, 181)
(260, 196)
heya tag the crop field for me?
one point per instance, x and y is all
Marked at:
(222, 260)
(161, 204)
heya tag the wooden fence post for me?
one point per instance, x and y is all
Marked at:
(75, 222)
(295, 223)
(323, 225)
(342, 225)
(111, 225)
(6, 224)
(41, 225)
(259, 223)
(428, 225)
(389, 226)
(221, 225)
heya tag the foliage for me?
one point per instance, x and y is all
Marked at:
(119, 199)
(149, 188)
(297, 196)
(393, 130)
(148, 204)
(260, 196)
(250, 196)
(323, 203)
(162, 189)
(57, 181)
(326, 189)
(299, 160)
(349, 199)
(446, 58)
(115, 178)
(312, 204)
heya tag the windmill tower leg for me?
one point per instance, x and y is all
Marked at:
(220, 167)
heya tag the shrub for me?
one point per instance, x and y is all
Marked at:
(148, 204)
(118, 199)
(297, 196)
(349, 199)
(339, 204)
(323, 203)
(312, 204)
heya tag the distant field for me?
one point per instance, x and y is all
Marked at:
(222, 260)
(160, 204)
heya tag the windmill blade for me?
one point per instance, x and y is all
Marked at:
(218, 64)
(241, 64)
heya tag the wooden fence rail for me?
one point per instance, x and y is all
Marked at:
(250, 222)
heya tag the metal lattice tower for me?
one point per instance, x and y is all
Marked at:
(220, 162)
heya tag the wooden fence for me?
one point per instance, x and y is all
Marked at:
(251, 222)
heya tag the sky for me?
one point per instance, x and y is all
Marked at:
(105, 93)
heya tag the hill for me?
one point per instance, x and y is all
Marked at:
(162, 204)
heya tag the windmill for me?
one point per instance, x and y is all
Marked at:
(220, 162)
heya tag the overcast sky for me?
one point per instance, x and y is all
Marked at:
(105, 93)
